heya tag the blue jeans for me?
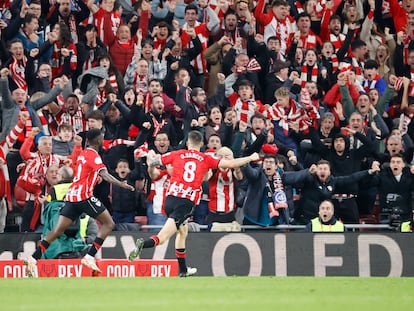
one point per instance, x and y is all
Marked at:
(123, 218)
(200, 213)
(154, 218)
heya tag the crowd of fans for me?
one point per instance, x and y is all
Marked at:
(321, 88)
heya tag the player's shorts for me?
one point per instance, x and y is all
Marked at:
(178, 209)
(92, 207)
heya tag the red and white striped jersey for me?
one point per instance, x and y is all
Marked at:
(37, 164)
(88, 165)
(158, 192)
(102, 16)
(199, 63)
(221, 187)
(78, 120)
(189, 168)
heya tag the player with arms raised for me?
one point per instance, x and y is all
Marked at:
(188, 170)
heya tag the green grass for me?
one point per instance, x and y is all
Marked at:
(208, 293)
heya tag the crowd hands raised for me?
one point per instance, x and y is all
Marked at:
(322, 90)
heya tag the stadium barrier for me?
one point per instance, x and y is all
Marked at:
(258, 253)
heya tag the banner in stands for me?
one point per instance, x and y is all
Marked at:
(261, 253)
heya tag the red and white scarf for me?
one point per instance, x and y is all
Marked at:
(295, 114)
(157, 125)
(405, 121)
(253, 65)
(359, 67)
(335, 62)
(311, 110)
(245, 109)
(304, 74)
(113, 82)
(108, 143)
(17, 71)
(141, 151)
(337, 40)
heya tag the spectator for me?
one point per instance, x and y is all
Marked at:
(265, 202)
(63, 144)
(123, 200)
(317, 184)
(222, 190)
(395, 186)
(326, 221)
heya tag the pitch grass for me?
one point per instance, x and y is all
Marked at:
(208, 293)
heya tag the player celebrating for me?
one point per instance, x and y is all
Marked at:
(79, 199)
(184, 192)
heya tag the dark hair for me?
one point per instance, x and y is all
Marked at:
(195, 137)
(269, 156)
(258, 116)
(156, 80)
(321, 162)
(65, 126)
(357, 44)
(93, 134)
(122, 160)
(90, 27)
(189, 7)
(194, 91)
(96, 114)
(73, 96)
(398, 155)
(65, 36)
(273, 38)
(28, 18)
(335, 17)
(279, 3)
(303, 14)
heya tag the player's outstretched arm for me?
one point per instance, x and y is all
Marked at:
(109, 178)
(239, 161)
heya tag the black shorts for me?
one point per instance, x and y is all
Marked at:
(178, 209)
(92, 207)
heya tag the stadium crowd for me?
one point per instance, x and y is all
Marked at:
(321, 88)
